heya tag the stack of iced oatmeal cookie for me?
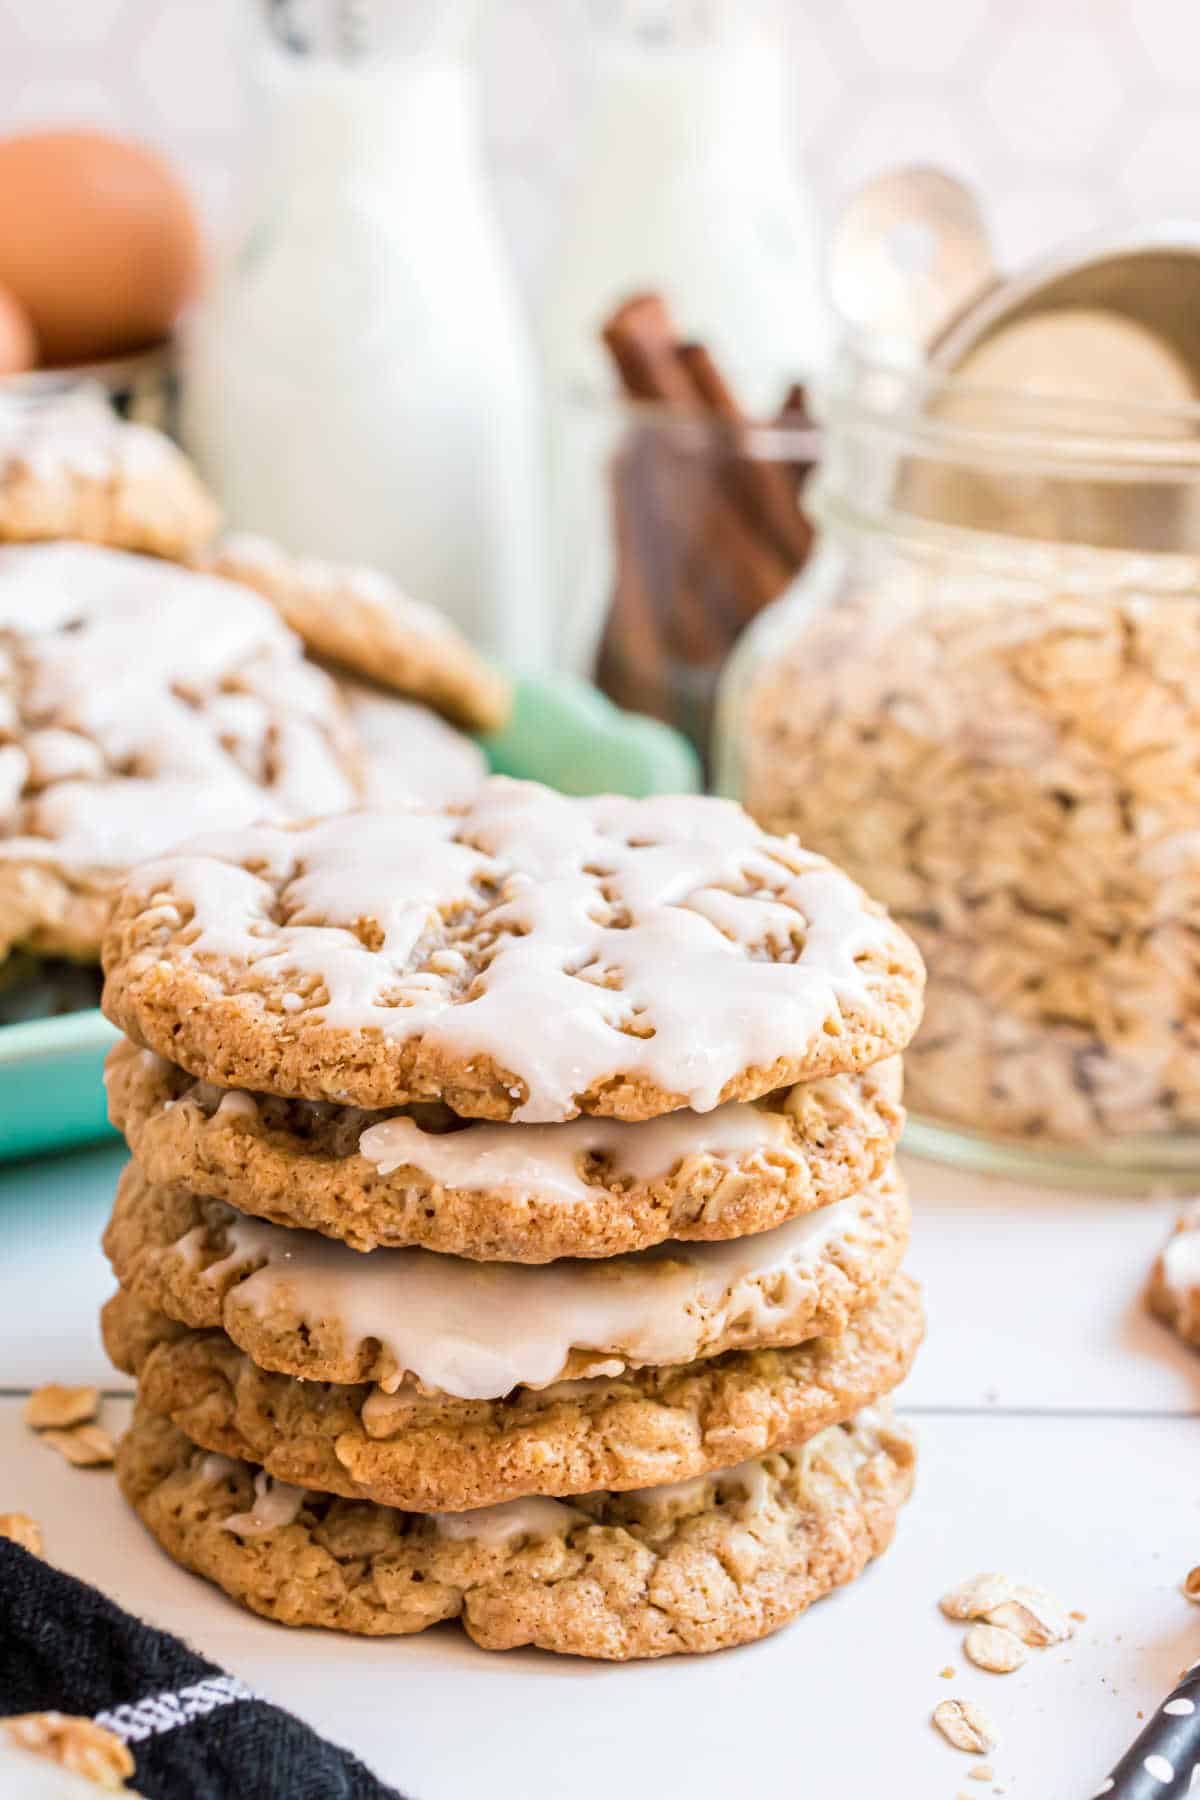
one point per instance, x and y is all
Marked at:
(513, 1234)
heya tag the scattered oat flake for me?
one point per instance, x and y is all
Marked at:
(88, 1446)
(965, 1725)
(994, 1648)
(981, 1772)
(1033, 1619)
(1033, 1616)
(975, 1598)
(19, 1528)
(55, 1406)
(1029, 1612)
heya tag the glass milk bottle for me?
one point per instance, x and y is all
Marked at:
(688, 184)
(360, 384)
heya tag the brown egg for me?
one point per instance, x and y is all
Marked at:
(18, 340)
(98, 242)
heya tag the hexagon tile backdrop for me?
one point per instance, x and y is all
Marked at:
(1066, 113)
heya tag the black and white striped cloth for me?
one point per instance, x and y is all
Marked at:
(193, 1730)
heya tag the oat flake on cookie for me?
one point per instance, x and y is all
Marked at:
(526, 956)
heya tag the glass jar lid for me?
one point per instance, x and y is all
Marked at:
(919, 449)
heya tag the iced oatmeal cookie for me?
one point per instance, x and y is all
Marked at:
(524, 956)
(71, 468)
(411, 755)
(700, 1565)
(432, 1452)
(138, 702)
(360, 619)
(507, 1193)
(307, 1306)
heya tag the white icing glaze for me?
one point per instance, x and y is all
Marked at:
(538, 1518)
(1181, 1255)
(576, 890)
(62, 756)
(479, 1330)
(77, 433)
(276, 1504)
(152, 697)
(215, 1467)
(236, 1105)
(498, 1525)
(544, 1159)
(14, 773)
(747, 1479)
(412, 754)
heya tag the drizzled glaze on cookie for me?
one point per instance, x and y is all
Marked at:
(562, 948)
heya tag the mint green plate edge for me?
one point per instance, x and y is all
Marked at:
(562, 731)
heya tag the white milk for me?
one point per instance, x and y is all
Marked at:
(360, 385)
(688, 184)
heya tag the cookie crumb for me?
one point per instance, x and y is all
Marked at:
(981, 1772)
(86, 1447)
(19, 1528)
(55, 1406)
(965, 1725)
(994, 1648)
(948, 1673)
(1081, 1616)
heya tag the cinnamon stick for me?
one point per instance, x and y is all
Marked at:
(641, 339)
(769, 495)
(643, 344)
(706, 531)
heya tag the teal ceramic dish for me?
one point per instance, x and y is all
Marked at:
(562, 732)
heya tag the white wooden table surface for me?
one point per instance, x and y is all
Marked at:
(1059, 1440)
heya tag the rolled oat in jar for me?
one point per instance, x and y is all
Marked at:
(983, 700)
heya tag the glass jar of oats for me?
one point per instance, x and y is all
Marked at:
(983, 699)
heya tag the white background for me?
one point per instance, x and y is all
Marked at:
(1068, 113)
